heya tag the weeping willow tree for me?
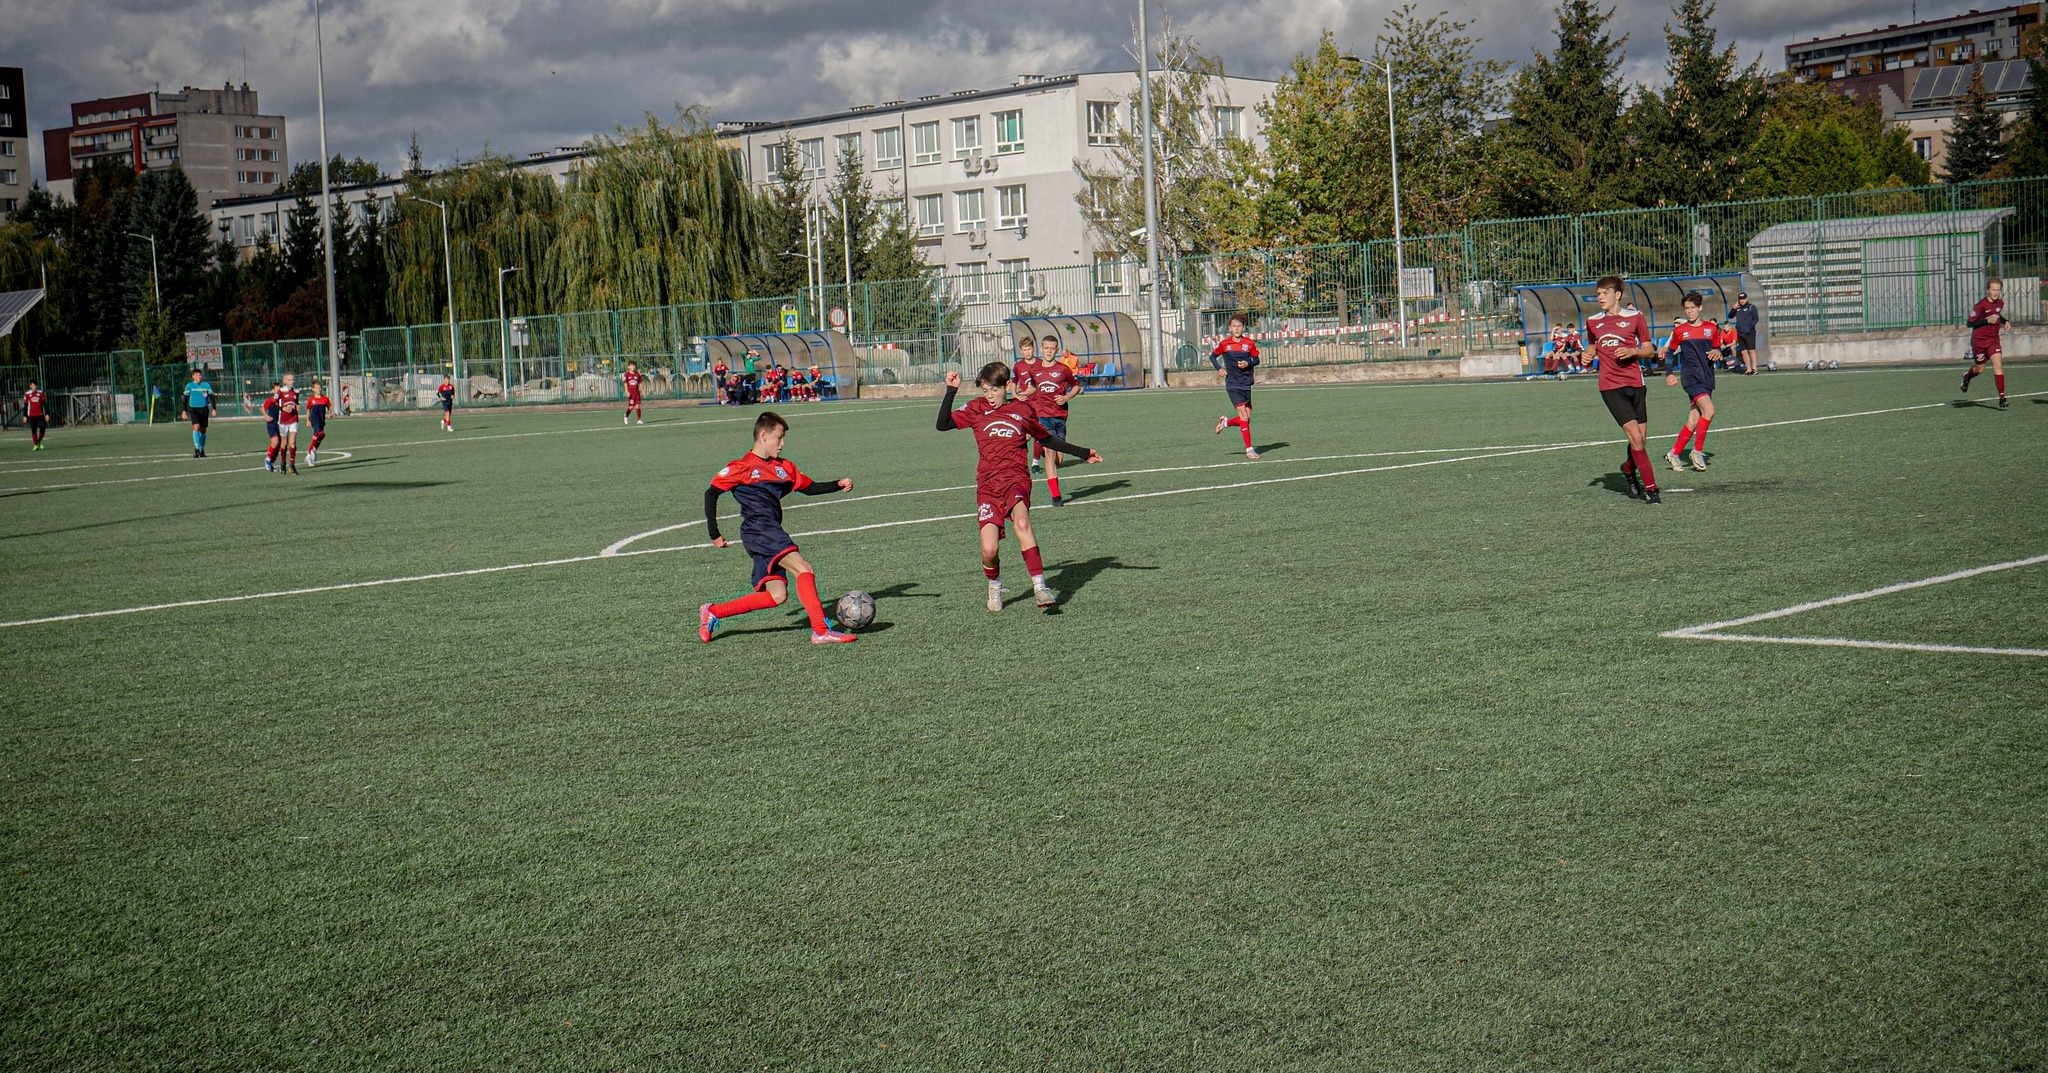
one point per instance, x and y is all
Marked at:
(656, 215)
(24, 258)
(498, 217)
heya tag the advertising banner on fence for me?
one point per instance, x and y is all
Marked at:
(203, 349)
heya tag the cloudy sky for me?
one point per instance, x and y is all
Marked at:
(520, 75)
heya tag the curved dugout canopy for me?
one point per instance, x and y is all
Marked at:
(1110, 342)
(1545, 306)
(831, 352)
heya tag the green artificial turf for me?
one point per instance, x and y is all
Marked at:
(1382, 770)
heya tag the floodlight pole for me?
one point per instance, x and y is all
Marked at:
(326, 201)
(846, 245)
(1394, 160)
(448, 269)
(156, 284)
(504, 337)
(1153, 343)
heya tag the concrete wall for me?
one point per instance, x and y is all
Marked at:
(1917, 346)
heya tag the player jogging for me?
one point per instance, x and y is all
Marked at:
(1692, 344)
(198, 410)
(759, 480)
(1050, 387)
(1235, 357)
(1621, 340)
(446, 393)
(288, 425)
(270, 427)
(316, 416)
(34, 405)
(1986, 321)
(1002, 483)
(632, 380)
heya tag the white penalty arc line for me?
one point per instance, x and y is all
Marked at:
(1712, 631)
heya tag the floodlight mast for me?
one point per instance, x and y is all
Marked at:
(327, 204)
(1153, 342)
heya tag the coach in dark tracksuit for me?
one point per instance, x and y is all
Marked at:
(1743, 316)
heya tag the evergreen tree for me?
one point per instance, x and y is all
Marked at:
(98, 275)
(166, 208)
(303, 258)
(362, 278)
(893, 294)
(1976, 143)
(2027, 153)
(780, 269)
(1696, 130)
(305, 175)
(1565, 147)
(160, 340)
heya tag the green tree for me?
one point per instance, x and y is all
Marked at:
(894, 295)
(498, 217)
(1696, 130)
(781, 228)
(156, 335)
(1976, 143)
(25, 257)
(1566, 147)
(305, 175)
(1814, 141)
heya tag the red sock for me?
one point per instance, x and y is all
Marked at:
(292, 455)
(270, 454)
(1037, 451)
(1641, 460)
(1684, 436)
(1699, 436)
(1235, 422)
(1247, 433)
(807, 591)
(753, 601)
(1034, 564)
(2000, 378)
(317, 437)
(1628, 462)
(1052, 484)
(1971, 373)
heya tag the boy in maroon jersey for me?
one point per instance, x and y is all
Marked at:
(1235, 357)
(1023, 371)
(1692, 348)
(1049, 387)
(1986, 321)
(758, 481)
(632, 381)
(1002, 483)
(288, 425)
(34, 403)
(1621, 340)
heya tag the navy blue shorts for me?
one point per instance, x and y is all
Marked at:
(270, 428)
(769, 565)
(318, 427)
(1055, 425)
(1695, 383)
(447, 406)
(1239, 396)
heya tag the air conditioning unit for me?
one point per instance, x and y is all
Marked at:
(978, 238)
(1037, 287)
(971, 165)
(989, 164)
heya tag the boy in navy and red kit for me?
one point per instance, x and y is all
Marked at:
(1235, 357)
(34, 404)
(759, 480)
(317, 406)
(1692, 345)
(270, 426)
(721, 373)
(446, 393)
(1621, 340)
(1002, 479)
(1048, 387)
(1986, 321)
(632, 381)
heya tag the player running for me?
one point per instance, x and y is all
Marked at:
(446, 393)
(270, 426)
(759, 480)
(316, 416)
(198, 410)
(1235, 357)
(1002, 483)
(34, 405)
(1050, 386)
(632, 380)
(1621, 340)
(288, 425)
(1987, 320)
(1692, 345)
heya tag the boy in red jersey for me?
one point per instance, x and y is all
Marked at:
(446, 393)
(34, 404)
(720, 373)
(1575, 349)
(1621, 340)
(632, 381)
(317, 406)
(759, 480)
(1692, 346)
(1023, 370)
(1235, 357)
(1986, 321)
(1049, 387)
(288, 425)
(1002, 484)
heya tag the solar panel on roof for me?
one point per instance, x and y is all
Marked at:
(1923, 85)
(14, 305)
(2014, 73)
(1947, 81)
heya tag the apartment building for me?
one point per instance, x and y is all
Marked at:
(227, 146)
(14, 140)
(1929, 115)
(1880, 64)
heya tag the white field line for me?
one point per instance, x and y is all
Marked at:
(162, 477)
(1712, 631)
(613, 550)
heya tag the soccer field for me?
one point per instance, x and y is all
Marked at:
(1415, 745)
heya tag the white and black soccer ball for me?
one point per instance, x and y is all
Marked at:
(856, 610)
(1809, 366)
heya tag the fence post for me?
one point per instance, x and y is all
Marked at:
(1578, 247)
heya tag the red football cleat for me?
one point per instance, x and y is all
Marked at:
(831, 637)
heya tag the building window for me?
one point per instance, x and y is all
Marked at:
(9, 177)
(7, 119)
(6, 148)
(1924, 147)
(270, 223)
(966, 137)
(968, 212)
(813, 150)
(1010, 207)
(8, 204)
(1102, 123)
(973, 276)
(889, 148)
(1009, 132)
(6, 92)
(849, 145)
(931, 214)
(1108, 276)
(1229, 124)
(1016, 279)
(924, 143)
(774, 156)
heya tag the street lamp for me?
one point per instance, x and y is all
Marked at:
(1394, 158)
(504, 338)
(156, 284)
(448, 268)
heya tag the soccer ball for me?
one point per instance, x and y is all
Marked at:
(1809, 366)
(856, 610)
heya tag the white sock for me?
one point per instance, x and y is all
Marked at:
(1038, 581)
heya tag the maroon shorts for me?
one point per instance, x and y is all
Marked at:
(992, 505)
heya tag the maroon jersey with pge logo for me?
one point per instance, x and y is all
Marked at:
(1049, 379)
(1615, 338)
(632, 384)
(287, 405)
(1003, 435)
(1984, 332)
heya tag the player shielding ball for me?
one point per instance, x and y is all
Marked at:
(1692, 345)
(1235, 357)
(759, 480)
(1003, 429)
(1621, 340)
(1987, 320)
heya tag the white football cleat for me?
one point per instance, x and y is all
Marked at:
(1046, 597)
(1252, 453)
(1676, 465)
(1699, 460)
(995, 597)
